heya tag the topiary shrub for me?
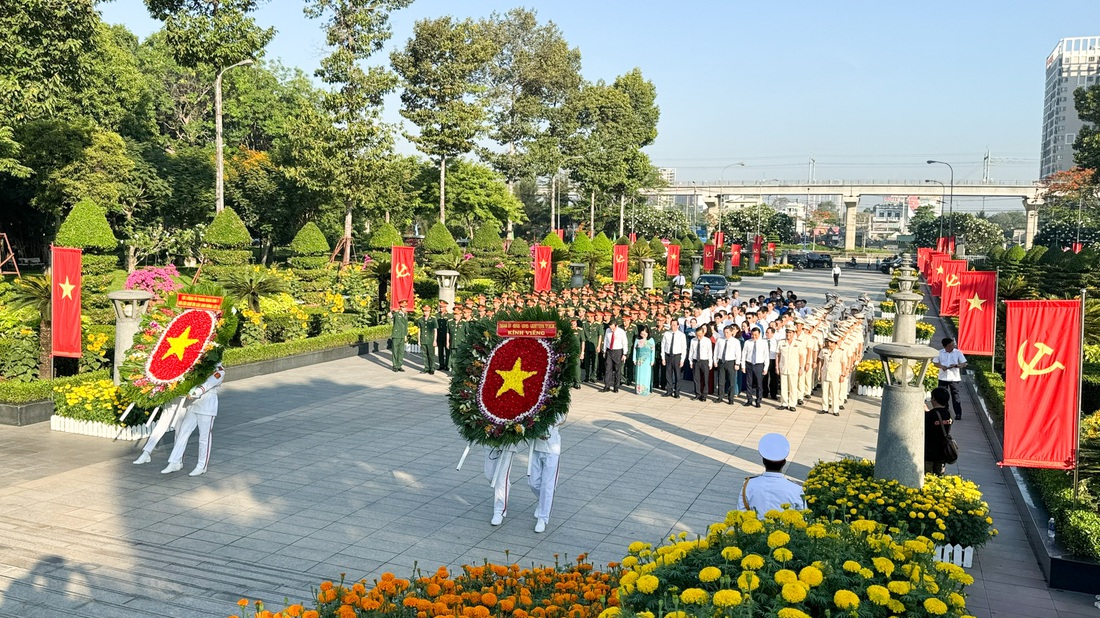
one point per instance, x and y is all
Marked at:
(558, 247)
(622, 240)
(520, 249)
(487, 238)
(227, 231)
(310, 241)
(439, 240)
(384, 237)
(86, 227)
(657, 247)
(582, 246)
(602, 244)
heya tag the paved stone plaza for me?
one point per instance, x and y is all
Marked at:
(347, 467)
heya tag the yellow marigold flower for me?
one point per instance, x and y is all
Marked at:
(899, 588)
(731, 553)
(727, 598)
(816, 531)
(646, 615)
(878, 595)
(864, 525)
(846, 599)
(610, 612)
(782, 554)
(748, 581)
(935, 606)
(785, 576)
(694, 596)
(648, 583)
(852, 566)
(628, 578)
(896, 606)
(629, 562)
(811, 575)
(752, 526)
(790, 612)
(956, 599)
(963, 578)
(676, 614)
(778, 539)
(883, 565)
(866, 573)
(794, 593)
(709, 574)
(752, 562)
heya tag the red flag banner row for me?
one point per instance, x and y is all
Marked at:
(544, 267)
(1042, 377)
(65, 301)
(977, 312)
(735, 256)
(708, 257)
(949, 300)
(401, 277)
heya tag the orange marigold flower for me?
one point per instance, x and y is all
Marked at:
(310, 613)
(434, 589)
(345, 611)
(488, 599)
(499, 570)
(519, 613)
(410, 602)
(243, 602)
(326, 585)
(350, 599)
(359, 589)
(294, 611)
(507, 605)
(330, 595)
(388, 577)
(442, 572)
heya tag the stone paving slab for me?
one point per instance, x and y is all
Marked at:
(347, 467)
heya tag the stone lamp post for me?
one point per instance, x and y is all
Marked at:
(130, 306)
(905, 304)
(696, 267)
(647, 273)
(576, 278)
(448, 284)
(899, 454)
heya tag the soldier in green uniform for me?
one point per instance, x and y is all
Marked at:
(578, 336)
(459, 331)
(399, 333)
(426, 339)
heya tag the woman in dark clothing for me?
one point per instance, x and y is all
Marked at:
(936, 421)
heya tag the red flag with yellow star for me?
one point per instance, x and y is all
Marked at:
(621, 266)
(672, 260)
(977, 312)
(65, 301)
(1042, 377)
(735, 256)
(401, 276)
(544, 267)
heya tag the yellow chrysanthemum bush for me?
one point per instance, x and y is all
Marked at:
(948, 509)
(792, 567)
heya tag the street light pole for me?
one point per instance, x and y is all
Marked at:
(219, 148)
(951, 221)
(943, 198)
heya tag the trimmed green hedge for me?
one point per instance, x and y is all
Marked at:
(310, 240)
(487, 238)
(308, 263)
(86, 227)
(227, 231)
(228, 257)
(384, 237)
(268, 351)
(17, 393)
(93, 265)
(520, 249)
(438, 239)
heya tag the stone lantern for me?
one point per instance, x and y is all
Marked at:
(696, 267)
(576, 279)
(905, 303)
(130, 306)
(647, 273)
(899, 454)
(448, 284)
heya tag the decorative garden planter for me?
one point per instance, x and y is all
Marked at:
(412, 348)
(97, 429)
(770, 274)
(882, 338)
(923, 341)
(870, 391)
(955, 554)
(888, 316)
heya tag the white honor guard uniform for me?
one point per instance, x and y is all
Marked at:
(167, 417)
(200, 413)
(498, 463)
(771, 490)
(543, 477)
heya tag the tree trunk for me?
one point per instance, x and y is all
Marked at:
(45, 359)
(553, 200)
(592, 215)
(265, 251)
(131, 258)
(442, 188)
(347, 236)
(622, 213)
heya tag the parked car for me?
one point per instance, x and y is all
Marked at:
(890, 264)
(811, 259)
(719, 287)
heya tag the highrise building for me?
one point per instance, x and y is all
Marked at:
(668, 174)
(1075, 62)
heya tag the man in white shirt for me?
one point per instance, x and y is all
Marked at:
(727, 352)
(614, 342)
(543, 476)
(754, 359)
(836, 275)
(673, 354)
(702, 353)
(772, 491)
(951, 362)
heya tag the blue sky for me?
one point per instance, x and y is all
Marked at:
(870, 90)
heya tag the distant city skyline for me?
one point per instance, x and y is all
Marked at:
(867, 90)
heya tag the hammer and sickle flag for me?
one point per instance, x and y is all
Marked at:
(708, 257)
(1043, 371)
(621, 261)
(401, 277)
(949, 301)
(544, 267)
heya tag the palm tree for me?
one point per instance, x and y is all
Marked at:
(456, 261)
(252, 285)
(380, 269)
(36, 293)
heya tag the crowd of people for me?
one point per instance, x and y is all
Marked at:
(768, 347)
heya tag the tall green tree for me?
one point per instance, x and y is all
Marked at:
(476, 194)
(214, 33)
(439, 67)
(1086, 147)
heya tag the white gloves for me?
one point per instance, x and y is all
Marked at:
(195, 393)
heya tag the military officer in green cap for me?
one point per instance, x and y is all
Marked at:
(399, 333)
(578, 338)
(459, 331)
(426, 338)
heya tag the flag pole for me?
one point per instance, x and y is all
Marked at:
(1077, 412)
(996, 299)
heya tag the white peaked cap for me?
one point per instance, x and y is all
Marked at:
(774, 447)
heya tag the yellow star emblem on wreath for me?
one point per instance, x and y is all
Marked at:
(513, 378)
(975, 302)
(66, 289)
(178, 345)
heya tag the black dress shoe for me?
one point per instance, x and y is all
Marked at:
(577, 386)
(603, 390)
(676, 396)
(958, 417)
(800, 402)
(614, 390)
(758, 404)
(836, 413)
